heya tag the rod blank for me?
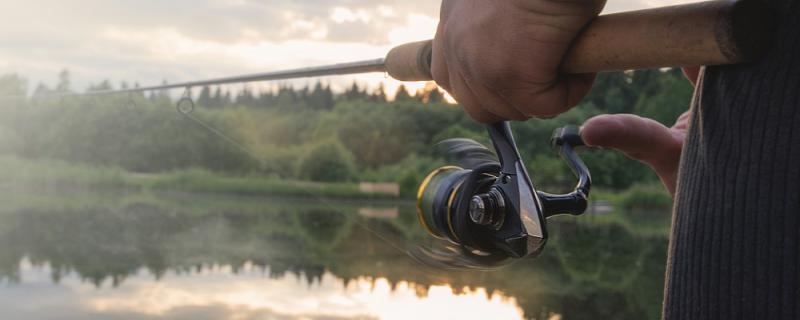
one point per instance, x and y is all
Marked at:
(706, 33)
(367, 66)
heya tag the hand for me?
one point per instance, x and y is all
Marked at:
(641, 139)
(644, 139)
(500, 58)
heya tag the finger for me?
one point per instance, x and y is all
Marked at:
(471, 105)
(493, 103)
(439, 68)
(549, 101)
(639, 138)
(682, 124)
(578, 86)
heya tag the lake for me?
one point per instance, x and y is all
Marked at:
(116, 255)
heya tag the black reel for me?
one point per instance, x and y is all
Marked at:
(490, 209)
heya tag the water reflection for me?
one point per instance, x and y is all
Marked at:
(216, 293)
(181, 256)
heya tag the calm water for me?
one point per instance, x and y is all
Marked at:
(86, 255)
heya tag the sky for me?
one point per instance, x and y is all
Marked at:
(148, 41)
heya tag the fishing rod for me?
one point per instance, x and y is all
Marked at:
(697, 34)
(486, 208)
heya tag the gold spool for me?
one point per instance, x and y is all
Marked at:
(421, 192)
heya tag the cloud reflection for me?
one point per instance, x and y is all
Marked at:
(218, 293)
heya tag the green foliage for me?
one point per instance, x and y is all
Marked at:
(327, 161)
(311, 133)
(41, 175)
(50, 174)
(641, 197)
(409, 173)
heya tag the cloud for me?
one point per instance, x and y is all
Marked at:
(151, 40)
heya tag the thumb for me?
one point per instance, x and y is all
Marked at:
(639, 138)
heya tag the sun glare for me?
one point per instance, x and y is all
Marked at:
(250, 292)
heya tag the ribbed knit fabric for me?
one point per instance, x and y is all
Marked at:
(735, 245)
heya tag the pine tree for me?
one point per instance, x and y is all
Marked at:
(216, 100)
(63, 82)
(321, 98)
(204, 99)
(354, 93)
(226, 99)
(266, 98)
(402, 94)
(380, 94)
(245, 98)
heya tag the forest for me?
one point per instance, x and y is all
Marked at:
(306, 134)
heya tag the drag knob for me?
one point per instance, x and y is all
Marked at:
(488, 209)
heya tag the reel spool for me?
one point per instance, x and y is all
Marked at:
(490, 209)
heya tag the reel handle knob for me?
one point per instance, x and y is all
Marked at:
(564, 141)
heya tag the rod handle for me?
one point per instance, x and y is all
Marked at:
(410, 61)
(716, 32)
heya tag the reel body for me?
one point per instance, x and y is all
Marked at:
(491, 209)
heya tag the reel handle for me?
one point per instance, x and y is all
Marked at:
(564, 142)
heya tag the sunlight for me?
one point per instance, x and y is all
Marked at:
(291, 297)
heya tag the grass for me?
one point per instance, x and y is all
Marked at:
(16, 172)
(642, 209)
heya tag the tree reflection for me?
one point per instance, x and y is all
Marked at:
(589, 270)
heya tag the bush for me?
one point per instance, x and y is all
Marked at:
(646, 197)
(327, 161)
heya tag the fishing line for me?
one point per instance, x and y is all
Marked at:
(189, 106)
(186, 106)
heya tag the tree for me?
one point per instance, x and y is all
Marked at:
(13, 85)
(402, 94)
(226, 99)
(430, 94)
(216, 99)
(245, 98)
(664, 96)
(267, 98)
(327, 161)
(321, 98)
(354, 93)
(612, 93)
(380, 94)
(63, 85)
(102, 86)
(287, 96)
(204, 99)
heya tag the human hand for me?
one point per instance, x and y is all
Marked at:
(500, 58)
(641, 139)
(644, 139)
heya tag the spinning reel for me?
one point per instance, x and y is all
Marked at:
(489, 209)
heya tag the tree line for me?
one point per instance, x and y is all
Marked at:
(310, 133)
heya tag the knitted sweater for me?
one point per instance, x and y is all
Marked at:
(735, 245)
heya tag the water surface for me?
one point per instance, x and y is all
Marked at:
(89, 255)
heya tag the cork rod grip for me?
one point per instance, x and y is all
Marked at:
(704, 33)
